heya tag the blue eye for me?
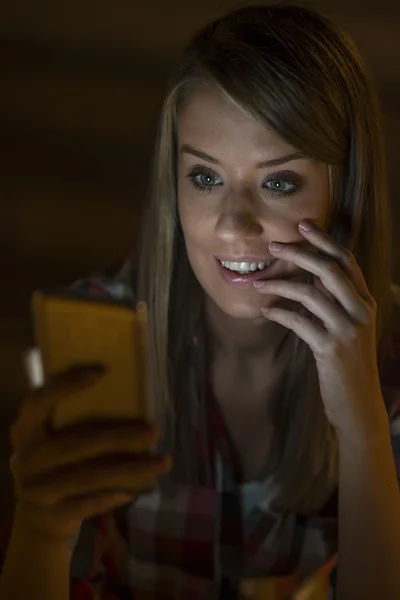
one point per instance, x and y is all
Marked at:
(204, 179)
(207, 180)
(280, 186)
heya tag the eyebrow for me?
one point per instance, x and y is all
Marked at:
(273, 162)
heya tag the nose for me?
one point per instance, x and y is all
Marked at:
(238, 220)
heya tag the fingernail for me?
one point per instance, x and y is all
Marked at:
(259, 284)
(275, 246)
(306, 226)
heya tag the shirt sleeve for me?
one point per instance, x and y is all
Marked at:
(394, 416)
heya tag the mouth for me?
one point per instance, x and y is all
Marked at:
(245, 267)
(244, 272)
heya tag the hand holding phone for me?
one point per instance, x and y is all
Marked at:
(77, 450)
(71, 331)
(63, 477)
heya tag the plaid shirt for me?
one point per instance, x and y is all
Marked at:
(211, 541)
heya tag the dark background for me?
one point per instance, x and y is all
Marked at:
(81, 85)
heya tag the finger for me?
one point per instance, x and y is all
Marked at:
(311, 333)
(81, 444)
(330, 274)
(310, 297)
(92, 505)
(324, 242)
(39, 403)
(61, 384)
(320, 286)
(128, 474)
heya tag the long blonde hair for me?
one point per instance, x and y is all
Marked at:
(300, 76)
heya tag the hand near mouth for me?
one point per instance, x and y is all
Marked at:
(343, 341)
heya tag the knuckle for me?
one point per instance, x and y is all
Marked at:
(82, 483)
(348, 256)
(295, 320)
(311, 292)
(331, 348)
(352, 333)
(330, 266)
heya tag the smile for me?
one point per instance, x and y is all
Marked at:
(245, 267)
(243, 273)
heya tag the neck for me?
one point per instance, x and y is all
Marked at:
(244, 338)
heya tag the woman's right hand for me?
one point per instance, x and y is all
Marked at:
(63, 477)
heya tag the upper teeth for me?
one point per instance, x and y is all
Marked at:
(244, 267)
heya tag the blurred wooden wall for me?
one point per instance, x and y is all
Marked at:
(81, 86)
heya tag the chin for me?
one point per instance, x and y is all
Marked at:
(242, 309)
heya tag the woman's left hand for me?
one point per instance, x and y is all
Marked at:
(343, 344)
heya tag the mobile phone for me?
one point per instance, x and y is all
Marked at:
(72, 331)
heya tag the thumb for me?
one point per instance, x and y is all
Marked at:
(34, 417)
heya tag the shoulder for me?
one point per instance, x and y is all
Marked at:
(116, 282)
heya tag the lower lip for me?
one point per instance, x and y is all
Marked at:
(247, 280)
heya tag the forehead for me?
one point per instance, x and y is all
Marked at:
(211, 121)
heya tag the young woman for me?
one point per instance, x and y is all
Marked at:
(265, 267)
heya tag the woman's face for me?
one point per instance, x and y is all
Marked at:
(241, 187)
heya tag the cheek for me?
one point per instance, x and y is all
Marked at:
(317, 203)
(185, 205)
(195, 218)
(284, 221)
(318, 212)
(188, 221)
